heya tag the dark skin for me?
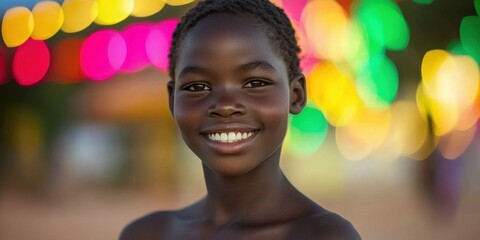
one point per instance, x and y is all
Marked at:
(229, 79)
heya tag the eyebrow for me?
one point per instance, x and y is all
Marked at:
(257, 64)
(243, 68)
(192, 70)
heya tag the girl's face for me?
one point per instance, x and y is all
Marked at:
(232, 96)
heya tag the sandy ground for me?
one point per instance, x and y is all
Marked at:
(102, 214)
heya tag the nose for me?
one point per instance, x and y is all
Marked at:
(226, 103)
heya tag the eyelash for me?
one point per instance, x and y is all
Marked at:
(191, 87)
(205, 87)
(262, 83)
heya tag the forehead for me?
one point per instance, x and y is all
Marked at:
(227, 39)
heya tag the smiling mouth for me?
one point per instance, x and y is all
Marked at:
(230, 137)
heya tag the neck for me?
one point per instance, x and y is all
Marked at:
(241, 198)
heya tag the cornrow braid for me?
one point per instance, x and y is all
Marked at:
(279, 28)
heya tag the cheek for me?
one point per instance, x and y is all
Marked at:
(274, 112)
(185, 115)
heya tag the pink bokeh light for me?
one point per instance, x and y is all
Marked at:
(102, 54)
(136, 38)
(31, 62)
(158, 43)
(294, 9)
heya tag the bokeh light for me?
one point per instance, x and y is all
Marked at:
(78, 14)
(334, 93)
(384, 22)
(31, 62)
(48, 18)
(452, 145)
(294, 9)
(455, 47)
(135, 37)
(278, 3)
(470, 36)
(377, 83)
(364, 134)
(449, 89)
(66, 61)
(3, 66)
(346, 5)
(159, 41)
(307, 131)
(423, 1)
(326, 25)
(145, 8)
(113, 11)
(477, 6)
(102, 54)
(408, 131)
(358, 48)
(178, 2)
(17, 26)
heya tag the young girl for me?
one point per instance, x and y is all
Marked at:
(235, 79)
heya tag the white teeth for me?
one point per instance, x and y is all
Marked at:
(223, 137)
(229, 137)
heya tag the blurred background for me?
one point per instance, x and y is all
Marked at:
(389, 138)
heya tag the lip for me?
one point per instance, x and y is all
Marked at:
(226, 148)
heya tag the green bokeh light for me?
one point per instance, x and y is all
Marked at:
(423, 1)
(477, 6)
(377, 84)
(455, 47)
(307, 131)
(384, 23)
(470, 36)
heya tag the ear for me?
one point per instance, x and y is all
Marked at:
(298, 94)
(171, 90)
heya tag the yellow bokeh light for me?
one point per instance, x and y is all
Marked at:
(113, 11)
(456, 81)
(334, 93)
(48, 18)
(326, 26)
(179, 2)
(145, 8)
(367, 132)
(444, 115)
(450, 88)
(409, 130)
(355, 47)
(350, 146)
(78, 14)
(427, 148)
(17, 26)
(422, 101)
(431, 62)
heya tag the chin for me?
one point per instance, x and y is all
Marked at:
(230, 168)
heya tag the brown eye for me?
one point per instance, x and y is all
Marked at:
(255, 83)
(197, 87)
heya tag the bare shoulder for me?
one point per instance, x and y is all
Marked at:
(324, 225)
(149, 226)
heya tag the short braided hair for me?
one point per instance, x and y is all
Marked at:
(279, 28)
